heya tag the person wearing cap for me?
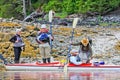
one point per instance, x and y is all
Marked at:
(85, 50)
(18, 45)
(44, 45)
(74, 58)
(43, 29)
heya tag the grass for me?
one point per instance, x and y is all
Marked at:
(61, 15)
(109, 24)
(115, 24)
(104, 24)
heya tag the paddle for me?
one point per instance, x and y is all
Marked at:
(50, 20)
(69, 49)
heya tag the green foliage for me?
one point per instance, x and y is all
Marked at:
(114, 3)
(82, 6)
(10, 8)
(36, 5)
(104, 24)
(5, 10)
(13, 8)
(62, 14)
(55, 5)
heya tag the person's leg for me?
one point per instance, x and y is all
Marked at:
(83, 57)
(42, 52)
(47, 52)
(17, 52)
(88, 57)
(48, 59)
(44, 58)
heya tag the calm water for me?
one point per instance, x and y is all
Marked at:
(42, 75)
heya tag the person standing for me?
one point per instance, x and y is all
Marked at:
(18, 45)
(43, 39)
(85, 50)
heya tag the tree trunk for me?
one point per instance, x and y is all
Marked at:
(24, 9)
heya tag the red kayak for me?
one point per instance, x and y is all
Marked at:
(57, 66)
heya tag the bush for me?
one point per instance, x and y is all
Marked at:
(82, 6)
(13, 8)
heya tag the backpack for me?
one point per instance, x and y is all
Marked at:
(43, 37)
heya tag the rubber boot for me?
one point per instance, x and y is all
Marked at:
(16, 61)
(48, 59)
(44, 60)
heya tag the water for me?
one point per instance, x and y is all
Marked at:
(45, 75)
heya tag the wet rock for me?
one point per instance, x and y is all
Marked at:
(104, 40)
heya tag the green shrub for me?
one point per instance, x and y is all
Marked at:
(13, 8)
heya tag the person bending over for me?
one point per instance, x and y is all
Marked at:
(85, 50)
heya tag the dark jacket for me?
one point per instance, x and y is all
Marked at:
(16, 37)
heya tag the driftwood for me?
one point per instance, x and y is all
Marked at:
(34, 15)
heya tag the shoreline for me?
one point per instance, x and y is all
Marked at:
(62, 34)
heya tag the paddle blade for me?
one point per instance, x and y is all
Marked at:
(65, 68)
(75, 22)
(65, 72)
(50, 16)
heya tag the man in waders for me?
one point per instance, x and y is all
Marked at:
(43, 39)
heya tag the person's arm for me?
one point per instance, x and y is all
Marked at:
(90, 41)
(37, 40)
(75, 44)
(90, 48)
(13, 39)
(50, 36)
(73, 60)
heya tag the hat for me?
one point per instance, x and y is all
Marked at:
(18, 30)
(73, 51)
(85, 41)
(43, 26)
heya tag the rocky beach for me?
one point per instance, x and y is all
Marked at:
(103, 30)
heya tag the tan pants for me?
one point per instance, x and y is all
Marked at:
(45, 50)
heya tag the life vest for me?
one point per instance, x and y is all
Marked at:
(43, 37)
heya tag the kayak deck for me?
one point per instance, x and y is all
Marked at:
(56, 66)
